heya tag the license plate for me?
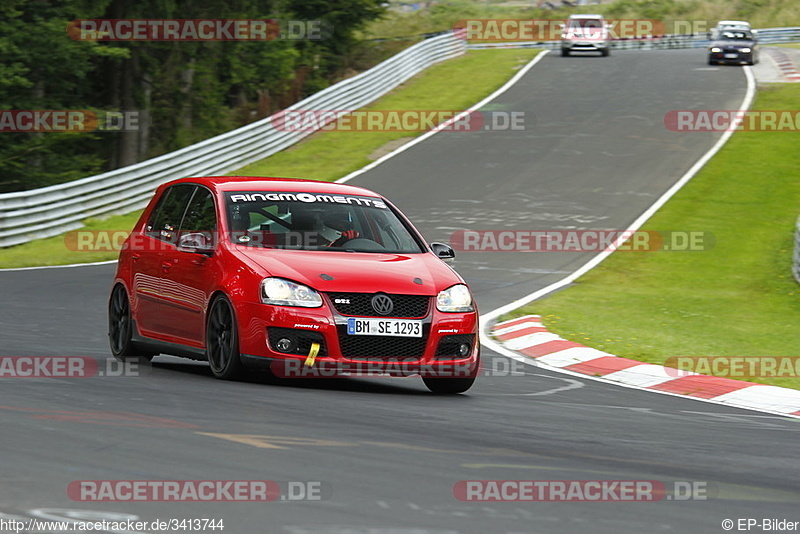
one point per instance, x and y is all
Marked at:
(384, 327)
(731, 56)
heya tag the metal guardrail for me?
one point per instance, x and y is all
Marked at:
(53, 210)
(666, 42)
(49, 211)
(796, 259)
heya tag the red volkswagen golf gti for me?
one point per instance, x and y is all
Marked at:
(301, 277)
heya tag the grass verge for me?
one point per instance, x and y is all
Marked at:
(453, 85)
(737, 299)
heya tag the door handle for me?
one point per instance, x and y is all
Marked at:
(166, 265)
(135, 257)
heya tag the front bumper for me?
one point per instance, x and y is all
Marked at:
(585, 46)
(731, 56)
(437, 353)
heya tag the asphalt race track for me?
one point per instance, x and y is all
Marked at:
(595, 154)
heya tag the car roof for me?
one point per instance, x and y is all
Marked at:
(262, 183)
(733, 23)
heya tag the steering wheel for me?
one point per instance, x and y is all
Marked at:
(361, 243)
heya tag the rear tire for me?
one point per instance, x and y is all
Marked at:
(222, 340)
(606, 52)
(564, 52)
(120, 327)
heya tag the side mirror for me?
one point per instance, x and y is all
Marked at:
(443, 252)
(196, 243)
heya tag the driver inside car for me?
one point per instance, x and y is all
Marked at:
(328, 229)
(342, 224)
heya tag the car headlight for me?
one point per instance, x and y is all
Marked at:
(280, 292)
(746, 50)
(456, 298)
(716, 49)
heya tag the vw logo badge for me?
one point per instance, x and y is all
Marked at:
(382, 304)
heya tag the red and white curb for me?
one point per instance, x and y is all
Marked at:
(787, 66)
(527, 336)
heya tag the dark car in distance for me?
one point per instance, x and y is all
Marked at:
(737, 46)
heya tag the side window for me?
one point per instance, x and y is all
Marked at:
(167, 216)
(201, 217)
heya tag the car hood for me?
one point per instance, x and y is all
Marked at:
(355, 272)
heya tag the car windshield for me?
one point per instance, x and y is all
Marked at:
(736, 35)
(311, 221)
(585, 23)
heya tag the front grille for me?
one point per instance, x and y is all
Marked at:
(360, 305)
(301, 340)
(382, 347)
(448, 346)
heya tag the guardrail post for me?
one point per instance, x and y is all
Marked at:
(796, 258)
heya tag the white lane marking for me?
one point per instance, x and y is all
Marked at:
(426, 135)
(593, 262)
(571, 384)
(109, 262)
(487, 318)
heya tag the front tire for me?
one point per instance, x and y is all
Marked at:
(120, 327)
(444, 385)
(222, 341)
(564, 52)
(448, 386)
